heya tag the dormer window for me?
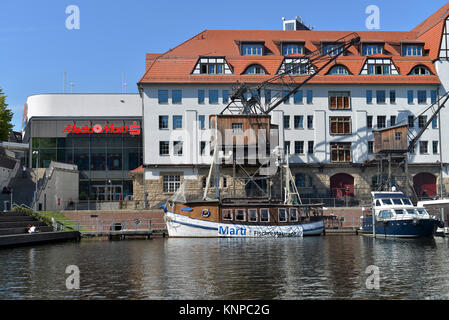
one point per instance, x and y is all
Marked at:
(332, 49)
(255, 69)
(252, 49)
(412, 50)
(338, 70)
(370, 49)
(217, 66)
(292, 48)
(379, 67)
(296, 67)
(420, 71)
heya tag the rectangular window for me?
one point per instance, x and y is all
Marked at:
(422, 96)
(293, 212)
(392, 96)
(286, 122)
(282, 215)
(163, 96)
(291, 48)
(201, 96)
(201, 122)
(339, 100)
(369, 122)
(252, 49)
(412, 50)
(411, 121)
(433, 96)
(225, 96)
(227, 215)
(267, 96)
(176, 96)
(237, 128)
(341, 152)
(252, 215)
(370, 147)
(213, 96)
(370, 49)
(164, 148)
(264, 215)
(410, 96)
(311, 147)
(177, 148)
(171, 183)
(380, 96)
(177, 122)
(298, 97)
(398, 136)
(285, 93)
(240, 215)
(309, 122)
(424, 147)
(435, 147)
(393, 121)
(340, 125)
(381, 122)
(435, 122)
(299, 147)
(422, 120)
(369, 96)
(332, 49)
(299, 122)
(163, 122)
(203, 147)
(309, 96)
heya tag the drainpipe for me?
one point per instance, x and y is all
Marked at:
(441, 158)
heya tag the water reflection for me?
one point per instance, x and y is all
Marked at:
(311, 268)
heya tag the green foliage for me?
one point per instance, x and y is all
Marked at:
(5, 118)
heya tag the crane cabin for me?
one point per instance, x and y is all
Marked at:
(391, 140)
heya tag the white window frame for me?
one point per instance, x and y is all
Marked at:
(250, 217)
(264, 209)
(227, 211)
(290, 210)
(279, 215)
(237, 211)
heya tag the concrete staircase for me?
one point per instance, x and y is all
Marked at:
(14, 231)
(23, 188)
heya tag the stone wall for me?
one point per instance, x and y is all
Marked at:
(318, 187)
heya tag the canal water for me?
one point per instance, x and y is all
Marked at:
(332, 267)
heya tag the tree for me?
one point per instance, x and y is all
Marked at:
(5, 118)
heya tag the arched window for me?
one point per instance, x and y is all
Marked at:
(425, 185)
(255, 69)
(339, 70)
(342, 185)
(420, 71)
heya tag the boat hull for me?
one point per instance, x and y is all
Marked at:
(407, 228)
(186, 227)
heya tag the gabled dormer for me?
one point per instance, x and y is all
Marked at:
(379, 66)
(212, 66)
(296, 66)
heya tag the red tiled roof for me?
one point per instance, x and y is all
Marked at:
(177, 65)
(137, 170)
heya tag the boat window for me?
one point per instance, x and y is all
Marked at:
(252, 215)
(397, 201)
(387, 202)
(293, 214)
(407, 202)
(282, 215)
(240, 215)
(385, 214)
(378, 203)
(227, 214)
(422, 211)
(411, 211)
(264, 215)
(399, 211)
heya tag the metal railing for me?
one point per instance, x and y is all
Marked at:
(112, 225)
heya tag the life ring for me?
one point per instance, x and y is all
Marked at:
(205, 213)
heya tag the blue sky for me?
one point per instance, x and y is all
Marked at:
(114, 36)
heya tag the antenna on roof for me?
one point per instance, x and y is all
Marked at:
(63, 82)
(124, 84)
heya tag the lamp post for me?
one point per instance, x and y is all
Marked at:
(36, 177)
